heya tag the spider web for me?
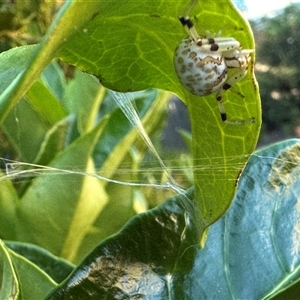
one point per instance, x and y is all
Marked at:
(165, 168)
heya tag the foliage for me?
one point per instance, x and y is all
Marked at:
(71, 188)
(202, 112)
(254, 246)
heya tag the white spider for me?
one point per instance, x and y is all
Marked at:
(202, 65)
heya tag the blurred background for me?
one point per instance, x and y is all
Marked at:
(276, 28)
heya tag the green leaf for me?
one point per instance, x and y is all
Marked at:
(252, 252)
(132, 49)
(144, 260)
(62, 206)
(129, 46)
(25, 136)
(8, 202)
(146, 34)
(43, 110)
(57, 268)
(110, 150)
(111, 157)
(33, 282)
(9, 288)
(258, 253)
(21, 279)
(45, 103)
(35, 62)
(13, 62)
(225, 147)
(54, 78)
(83, 96)
(119, 134)
(56, 139)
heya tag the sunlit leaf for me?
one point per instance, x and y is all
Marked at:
(146, 39)
(130, 46)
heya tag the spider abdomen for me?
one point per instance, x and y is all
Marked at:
(201, 72)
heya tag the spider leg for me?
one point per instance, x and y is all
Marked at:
(226, 50)
(218, 44)
(238, 59)
(189, 27)
(219, 96)
(211, 44)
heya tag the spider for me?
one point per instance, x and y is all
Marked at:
(202, 65)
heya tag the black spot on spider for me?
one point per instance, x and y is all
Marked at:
(211, 41)
(182, 20)
(226, 86)
(192, 54)
(214, 47)
(189, 23)
(223, 117)
(185, 21)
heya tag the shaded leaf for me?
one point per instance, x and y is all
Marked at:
(57, 268)
(33, 282)
(144, 260)
(54, 78)
(12, 63)
(255, 246)
(60, 30)
(26, 137)
(252, 252)
(9, 288)
(8, 202)
(45, 103)
(56, 139)
(21, 279)
(113, 161)
(83, 96)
